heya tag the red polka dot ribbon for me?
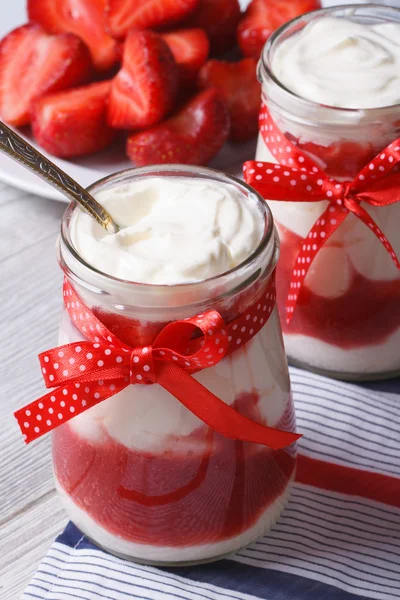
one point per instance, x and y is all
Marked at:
(298, 179)
(88, 372)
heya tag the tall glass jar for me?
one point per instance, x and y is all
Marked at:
(347, 320)
(138, 473)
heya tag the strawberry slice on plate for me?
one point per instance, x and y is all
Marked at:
(190, 48)
(145, 89)
(73, 122)
(122, 15)
(219, 19)
(262, 17)
(33, 63)
(241, 90)
(84, 18)
(192, 136)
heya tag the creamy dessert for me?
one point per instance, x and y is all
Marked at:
(347, 320)
(340, 62)
(173, 231)
(139, 473)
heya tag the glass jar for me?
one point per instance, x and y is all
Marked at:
(138, 473)
(347, 320)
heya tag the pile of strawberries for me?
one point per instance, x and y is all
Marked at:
(83, 71)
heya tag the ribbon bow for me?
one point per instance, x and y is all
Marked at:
(91, 371)
(299, 179)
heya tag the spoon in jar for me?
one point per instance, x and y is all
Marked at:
(20, 150)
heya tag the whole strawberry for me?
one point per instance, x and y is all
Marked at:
(241, 90)
(219, 19)
(192, 136)
(262, 17)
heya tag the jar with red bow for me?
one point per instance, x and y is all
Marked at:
(172, 416)
(330, 175)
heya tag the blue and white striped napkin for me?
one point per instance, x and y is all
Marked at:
(338, 539)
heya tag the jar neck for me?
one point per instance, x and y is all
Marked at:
(169, 302)
(303, 111)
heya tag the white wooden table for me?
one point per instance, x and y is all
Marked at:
(30, 300)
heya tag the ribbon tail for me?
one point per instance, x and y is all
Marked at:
(325, 226)
(221, 417)
(61, 405)
(364, 216)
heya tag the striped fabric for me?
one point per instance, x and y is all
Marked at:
(338, 539)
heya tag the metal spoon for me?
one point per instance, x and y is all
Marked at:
(20, 150)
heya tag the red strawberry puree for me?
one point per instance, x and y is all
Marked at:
(196, 495)
(159, 499)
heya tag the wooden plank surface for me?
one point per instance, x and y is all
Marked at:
(30, 281)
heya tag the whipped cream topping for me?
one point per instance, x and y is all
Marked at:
(174, 230)
(341, 63)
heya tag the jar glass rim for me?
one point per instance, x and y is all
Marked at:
(174, 170)
(265, 64)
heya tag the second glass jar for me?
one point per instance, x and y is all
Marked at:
(347, 320)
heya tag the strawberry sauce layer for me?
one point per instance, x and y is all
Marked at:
(366, 314)
(202, 489)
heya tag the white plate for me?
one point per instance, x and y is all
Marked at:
(88, 169)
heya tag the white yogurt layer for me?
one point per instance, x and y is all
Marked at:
(377, 358)
(339, 62)
(149, 553)
(174, 230)
(147, 418)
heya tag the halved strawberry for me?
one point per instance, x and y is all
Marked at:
(190, 48)
(241, 90)
(192, 136)
(74, 122)
(84, 18)
(219, 19)
(262, 17)
(145, 89)
(33, 63)
(122, 15)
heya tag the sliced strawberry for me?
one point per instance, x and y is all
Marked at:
(192, 136)
(122, 15)
(190, 48)
(262, 17)
(219, 19)
(74, 122)
(145, 89)
(33, 63)
(241, 90)
(84, 18)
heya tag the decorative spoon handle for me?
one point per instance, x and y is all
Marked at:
(20, 150)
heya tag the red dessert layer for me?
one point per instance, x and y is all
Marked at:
(366, 314)
(206, 491)
(343, 159)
